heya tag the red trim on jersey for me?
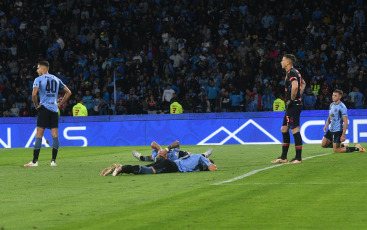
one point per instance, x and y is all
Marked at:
(292, 78)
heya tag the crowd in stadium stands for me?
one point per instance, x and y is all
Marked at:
(208, 55)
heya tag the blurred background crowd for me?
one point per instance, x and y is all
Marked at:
(139, 56)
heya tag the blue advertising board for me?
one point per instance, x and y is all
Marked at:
(189, 129)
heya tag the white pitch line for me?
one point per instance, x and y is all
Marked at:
(263, 169)
(307, 183)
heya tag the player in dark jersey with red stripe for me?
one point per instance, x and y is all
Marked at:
(294, 87)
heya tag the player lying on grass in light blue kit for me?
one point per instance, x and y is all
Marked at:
(188, 163)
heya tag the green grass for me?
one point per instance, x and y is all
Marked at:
(326, 192)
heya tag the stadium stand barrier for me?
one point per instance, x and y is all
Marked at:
(189, 129)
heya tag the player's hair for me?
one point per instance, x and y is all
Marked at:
(45, 64)
(339, 91)
(159, 158)
(291, 57)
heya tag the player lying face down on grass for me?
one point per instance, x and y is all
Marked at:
(172, 152)
(188, 163)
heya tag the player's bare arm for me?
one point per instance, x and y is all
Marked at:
(66, 96)
(327, 123)
(345, 127)
(303, 86)
(175, 144)
(294, 90)
(155, 145)
(34, 97)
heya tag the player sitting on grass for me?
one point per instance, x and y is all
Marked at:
(172, 152)
(189, 163)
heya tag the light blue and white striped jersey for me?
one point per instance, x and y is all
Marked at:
(49, 86)
(172, 154)
(192, 163)
(337, 112)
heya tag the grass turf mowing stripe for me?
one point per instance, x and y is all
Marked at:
(263, 169)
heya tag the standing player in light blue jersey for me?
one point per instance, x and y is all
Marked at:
(189, 163)
(338, 121)
(47, 85)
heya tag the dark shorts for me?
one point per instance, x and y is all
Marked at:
(182, 154)
(333, 136)
(292, 116)
(47, 119)
(165, 166)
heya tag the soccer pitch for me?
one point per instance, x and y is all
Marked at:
(324, 192)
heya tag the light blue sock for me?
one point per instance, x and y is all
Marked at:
(38, 143)
(55, 143)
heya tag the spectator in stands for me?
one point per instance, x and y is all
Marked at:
(324, 100)
(133, 106)
(279, 104)
(251, 106)
(267, 100)
(212, 91)
(257, 98)
(188, 104)
(167, 95)
(103, 108)
(237, 99)
(86, 47)
(14, 111)
(315, 87)
(224, 101)
(309, 99)
(177, 60)
(79, 110)
(88, 102)
(96, 104)
(111, 108)
(358, 98)
(3, 106)
(120, 107)
(24, 111)
(175, 107)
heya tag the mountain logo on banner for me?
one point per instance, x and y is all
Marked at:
(223, 135)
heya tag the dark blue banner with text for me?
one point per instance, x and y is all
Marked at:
(189, 129)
